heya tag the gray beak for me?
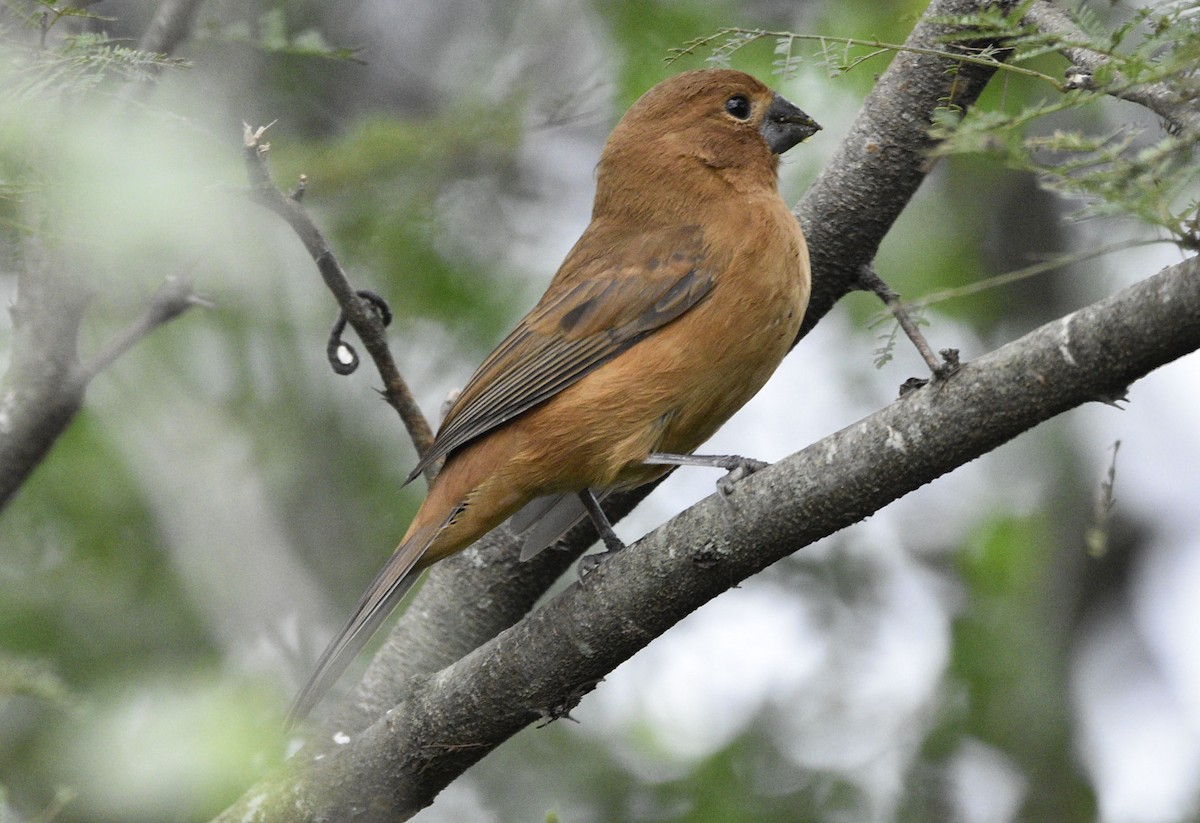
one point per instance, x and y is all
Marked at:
(785, 126)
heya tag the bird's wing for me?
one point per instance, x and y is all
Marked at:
(609, 302)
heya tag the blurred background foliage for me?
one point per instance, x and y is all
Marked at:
(169, 573)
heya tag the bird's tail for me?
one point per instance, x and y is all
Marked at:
(385, 591)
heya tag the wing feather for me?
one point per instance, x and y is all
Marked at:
(587, 317)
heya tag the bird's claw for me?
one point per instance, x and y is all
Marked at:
(590, 562)
(739, 469)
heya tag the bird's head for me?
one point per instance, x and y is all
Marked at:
(702, 121)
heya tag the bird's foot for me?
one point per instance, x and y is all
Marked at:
(612, 543)
(590, 562)
(736, 466)
(739, 468)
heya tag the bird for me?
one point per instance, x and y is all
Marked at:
(670, 312)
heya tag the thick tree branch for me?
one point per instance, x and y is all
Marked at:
(544, 664)
(1181, 115)
(462, 603)
(365, 320)
(169, 28)
(44, 386)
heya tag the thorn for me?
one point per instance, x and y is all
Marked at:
(562, 709)
(1114, 400)
(301, 187)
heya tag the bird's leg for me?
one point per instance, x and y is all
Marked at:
(736, 466)
(612, 543)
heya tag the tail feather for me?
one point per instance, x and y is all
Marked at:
(544, 520)
(384, 593)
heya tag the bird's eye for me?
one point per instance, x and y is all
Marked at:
(738, 106)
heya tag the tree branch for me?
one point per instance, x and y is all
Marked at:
(547, 662)
(1181, 115)
(169, 28)
(462, 603)
(44, 386)
(365, 320)
(171, 25)
(172, 299)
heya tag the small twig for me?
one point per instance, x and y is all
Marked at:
(1017, 275)
(869, 280)
(301, 187)
(343, 359)
(750, 35)
(1181, 117)
(361, 313)
(172, 299)
(562, 708)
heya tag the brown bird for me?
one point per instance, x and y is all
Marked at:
(671, 311)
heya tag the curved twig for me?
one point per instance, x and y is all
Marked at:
(361, 313)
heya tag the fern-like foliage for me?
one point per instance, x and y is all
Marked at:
(50, 64)
(46, 64)
(84, 63)
(1118, 170)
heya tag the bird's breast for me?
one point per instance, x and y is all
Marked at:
(714, 359)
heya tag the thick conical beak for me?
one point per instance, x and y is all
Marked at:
(785, 126)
